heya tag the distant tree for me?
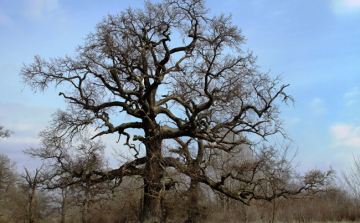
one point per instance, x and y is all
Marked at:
(9, 179)
(90, 159)
(31, 186)
(177, 74)
(4, 133)
(352, 180)
(258, 172)
(8, 174)
(68, 166)
(11, 197)
(63, 201)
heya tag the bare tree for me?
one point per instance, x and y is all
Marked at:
(177, 74)
(4, 133)
(8, 185)
(246, 173)
(11, 197)
(8, 174)
(30, 187)
(70, 164)
(64, 202)
(352, 180)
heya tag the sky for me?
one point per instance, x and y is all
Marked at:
(313, 44)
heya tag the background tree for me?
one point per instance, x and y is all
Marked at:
(69, 165)
(31, 186)
(177, 74)
(8, 174)
(4, 133)
(352, 180)
(9, 195)
(63, 202)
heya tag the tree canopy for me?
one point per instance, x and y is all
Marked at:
(180, 76)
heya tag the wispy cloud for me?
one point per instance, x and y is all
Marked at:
(22, 121)
(354, 92)
(5, 20)
(352, 102)
(345, 135)
(345, 6)
(318, 106)
(352, 96)
(352, 3)
(37, 9)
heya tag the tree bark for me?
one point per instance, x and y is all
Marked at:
(31, 206)
(193, 202)
(63, 204)
(85, 207)
(154, 188)
(194, 190)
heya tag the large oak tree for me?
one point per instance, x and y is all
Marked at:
(181, 76)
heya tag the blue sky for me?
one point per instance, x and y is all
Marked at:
(314, 44)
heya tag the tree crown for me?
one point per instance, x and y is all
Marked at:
(204, 86)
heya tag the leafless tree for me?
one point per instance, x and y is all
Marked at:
(8, 174)
(69, 164)
(4, 133)
(30, 187)
(177, 74)
(352, 180)
(8, 182)
(64, 202)
(246, 173)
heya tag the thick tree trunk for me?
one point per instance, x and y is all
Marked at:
(85, 207)
(194, 190)
(31, 205)
(84, 213)
(63, 215)
(193, 202)
(63, 204)
(154, 189)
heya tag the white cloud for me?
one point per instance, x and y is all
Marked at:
(23, 140)
(352, 3)
(23, 127)
(318, 106)
(354, 92)
(292, 121)
(341, 131)
(345, 135)
(24, 121)
(351, 102)
(345, 6)
(37, 9)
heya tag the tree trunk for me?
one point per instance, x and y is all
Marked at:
(85, 207)
(63, 204)
(273, 211)
(194, 190)
(84, 212)
(154, 189)
(31, 205)
(193, 202)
